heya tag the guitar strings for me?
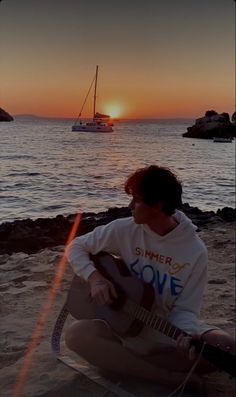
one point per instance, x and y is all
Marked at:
(151, 319)
(182, 386)
(140, 313)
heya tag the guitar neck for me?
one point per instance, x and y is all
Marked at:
(152, 320)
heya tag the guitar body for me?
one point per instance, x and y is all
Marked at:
(80, 306)
(131, 289)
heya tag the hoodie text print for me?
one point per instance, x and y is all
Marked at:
(175, 264)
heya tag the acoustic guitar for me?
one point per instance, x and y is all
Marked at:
(132, 310)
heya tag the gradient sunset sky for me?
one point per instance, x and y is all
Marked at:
(157, 58)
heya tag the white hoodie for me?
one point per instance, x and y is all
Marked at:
(175, 264)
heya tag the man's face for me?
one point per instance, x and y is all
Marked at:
(141, 212)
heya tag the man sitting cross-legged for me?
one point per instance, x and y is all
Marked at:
(159, 245)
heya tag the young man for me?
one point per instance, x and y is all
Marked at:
(159, 245)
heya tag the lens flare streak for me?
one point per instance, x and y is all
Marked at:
(43, 315)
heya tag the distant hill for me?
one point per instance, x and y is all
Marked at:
(26, 116)
(36, 117)
(4, 116)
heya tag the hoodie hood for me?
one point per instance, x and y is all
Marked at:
(182, 231)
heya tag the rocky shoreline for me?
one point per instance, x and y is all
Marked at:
(30, 236)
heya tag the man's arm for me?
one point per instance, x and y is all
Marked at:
(102, 238)
(186, 310)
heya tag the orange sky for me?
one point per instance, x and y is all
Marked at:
(157, 59)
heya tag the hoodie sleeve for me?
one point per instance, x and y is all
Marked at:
(186, 309)
(102, 238)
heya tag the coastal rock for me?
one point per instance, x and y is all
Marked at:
(227, 213)
(233, 117)
(212, 125)
(31, 236)
(4, 116)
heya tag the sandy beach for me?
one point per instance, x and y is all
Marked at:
(25, 281)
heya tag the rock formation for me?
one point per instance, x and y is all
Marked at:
(30, 236)
(4, 116)
(212, 125)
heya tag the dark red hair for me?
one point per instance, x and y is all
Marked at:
(156, 185)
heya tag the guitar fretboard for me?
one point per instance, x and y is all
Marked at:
(220, 358)
(152, 320)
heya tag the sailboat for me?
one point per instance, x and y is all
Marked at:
(100, 122)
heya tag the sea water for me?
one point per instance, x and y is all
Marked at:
(46, 169)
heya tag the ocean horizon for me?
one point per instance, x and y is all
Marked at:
(25, 117)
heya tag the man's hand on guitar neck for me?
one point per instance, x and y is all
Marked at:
(102, 291)
(184, 346)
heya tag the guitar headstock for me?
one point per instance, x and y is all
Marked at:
(222, 359)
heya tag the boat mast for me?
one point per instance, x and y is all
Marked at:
(95, 92)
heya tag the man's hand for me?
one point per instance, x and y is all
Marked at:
(184, 346)
(102, 290)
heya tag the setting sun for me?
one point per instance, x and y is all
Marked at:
(114, 110)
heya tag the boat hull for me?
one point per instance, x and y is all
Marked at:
(223, 140)
(92, 128)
